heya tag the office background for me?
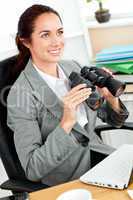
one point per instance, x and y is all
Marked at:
(84, 36)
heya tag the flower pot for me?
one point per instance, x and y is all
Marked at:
(102, 15)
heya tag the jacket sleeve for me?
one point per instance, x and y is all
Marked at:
(38, 158)
(115, 118)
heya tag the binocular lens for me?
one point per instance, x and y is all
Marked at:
(116, 87)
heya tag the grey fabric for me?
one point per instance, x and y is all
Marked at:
(46, 151)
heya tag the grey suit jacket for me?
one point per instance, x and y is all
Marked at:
(46, 151)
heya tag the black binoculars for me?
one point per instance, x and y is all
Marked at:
(95, 100)
(94, 76)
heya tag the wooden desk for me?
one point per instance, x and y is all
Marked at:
(98, 193)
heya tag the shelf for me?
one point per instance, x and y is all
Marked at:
(129, 89)
(111, 23)
(127, 97)
(128, 79)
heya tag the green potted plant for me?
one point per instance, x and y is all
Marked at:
(102, 14)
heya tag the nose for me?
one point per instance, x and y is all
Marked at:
(55, 40)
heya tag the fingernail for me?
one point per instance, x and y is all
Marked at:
(84, 84)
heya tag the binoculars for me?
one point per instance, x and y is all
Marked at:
(93, 77)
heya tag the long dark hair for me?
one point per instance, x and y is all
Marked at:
(25, 29)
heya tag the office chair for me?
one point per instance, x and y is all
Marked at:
(97, 157)
(107, 127)
(17, 182)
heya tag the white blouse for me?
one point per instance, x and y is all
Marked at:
(60, 87)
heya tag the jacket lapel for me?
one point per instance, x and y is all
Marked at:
(45, 94)
(42, 91)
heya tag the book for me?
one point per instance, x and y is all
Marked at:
(121, 52)
(118, 61)
(114, 57)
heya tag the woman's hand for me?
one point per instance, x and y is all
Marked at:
(71, 101)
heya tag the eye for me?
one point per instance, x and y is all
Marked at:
(61, 32)
(45, 35)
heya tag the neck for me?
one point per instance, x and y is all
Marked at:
(47, 67)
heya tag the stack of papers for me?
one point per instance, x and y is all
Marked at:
(118, 58)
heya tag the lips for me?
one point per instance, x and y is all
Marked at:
(54, 51)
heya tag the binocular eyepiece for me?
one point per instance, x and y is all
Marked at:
(95, 76)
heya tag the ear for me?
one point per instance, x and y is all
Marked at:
(25, 42)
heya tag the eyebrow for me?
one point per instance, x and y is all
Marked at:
(47, 31)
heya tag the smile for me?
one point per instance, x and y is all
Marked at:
(54, 52)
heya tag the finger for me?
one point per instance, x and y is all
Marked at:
(79, 92)
(78, 87)
(70, 101)
(81, 97)
(107, 70)
(80, 100)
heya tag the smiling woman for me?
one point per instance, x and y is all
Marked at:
(46, 42)
(53, 127)
(41, 38)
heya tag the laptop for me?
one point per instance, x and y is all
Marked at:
(114, 171)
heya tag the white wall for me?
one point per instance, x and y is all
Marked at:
(69, 11)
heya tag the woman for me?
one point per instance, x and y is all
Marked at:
(53, 127)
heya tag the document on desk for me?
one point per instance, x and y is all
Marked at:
(114, 171)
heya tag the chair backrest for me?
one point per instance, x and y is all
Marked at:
(7, 148)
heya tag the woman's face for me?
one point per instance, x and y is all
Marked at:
(47, 39)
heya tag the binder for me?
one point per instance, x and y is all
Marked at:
(126, 67)
(110, 57)
(116, 49)
(118, 58)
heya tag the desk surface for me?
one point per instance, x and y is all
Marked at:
(98, 193)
